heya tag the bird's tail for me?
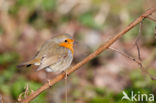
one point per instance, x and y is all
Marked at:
(29, 63)
(24, 65)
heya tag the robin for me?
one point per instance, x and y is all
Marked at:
(55, 55)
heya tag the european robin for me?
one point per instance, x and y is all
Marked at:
(55, 55)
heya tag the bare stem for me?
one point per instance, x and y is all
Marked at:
(137, 40)
(144, 71)
(151, 18)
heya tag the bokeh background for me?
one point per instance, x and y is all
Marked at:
(26, 24)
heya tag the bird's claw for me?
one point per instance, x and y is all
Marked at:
(49, 83)
(66, 75)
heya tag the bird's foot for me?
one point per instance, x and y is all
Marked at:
(49, 83)
(66, 74)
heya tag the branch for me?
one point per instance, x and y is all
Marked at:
(90, 57)
(151, 18)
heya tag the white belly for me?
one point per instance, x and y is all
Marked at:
(62, 65)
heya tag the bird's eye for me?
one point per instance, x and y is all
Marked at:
(65, 41)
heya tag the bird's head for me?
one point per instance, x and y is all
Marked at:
(65, 40)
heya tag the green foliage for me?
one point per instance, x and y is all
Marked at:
(100, 100)
(131, 34)
(6, 76)
(45, 5)
(1, 30)
(42, 97)
(30, 5)
(148, 29)
(139, 81)
(48, 4)
(5, 88)
(18, 87)
(87, 19)
(137, 4)
(8, 57)
(100, 91)
(139, 85)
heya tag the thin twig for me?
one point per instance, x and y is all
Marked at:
(137, 40)
(90, 57)
(151, 18)
(126, 55)
(135, 60)
(1, 99)
(155, 31)
(66, 88)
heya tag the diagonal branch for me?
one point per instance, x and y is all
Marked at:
(90, 57)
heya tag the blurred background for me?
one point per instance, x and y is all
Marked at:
(25, 25)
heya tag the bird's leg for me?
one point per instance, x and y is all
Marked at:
(49, 83)
(48, 79)
(66, 74)
(66, 87)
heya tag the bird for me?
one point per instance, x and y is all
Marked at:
(55, 55)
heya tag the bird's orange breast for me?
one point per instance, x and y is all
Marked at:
(68, 44)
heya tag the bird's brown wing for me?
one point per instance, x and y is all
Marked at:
(51, 57)
(45, 62)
